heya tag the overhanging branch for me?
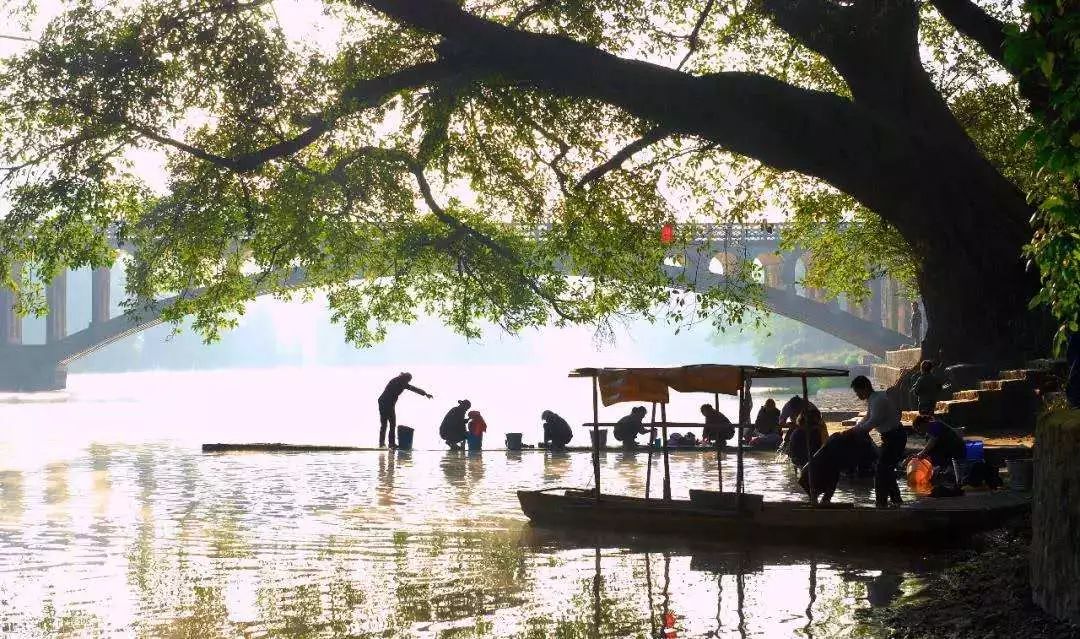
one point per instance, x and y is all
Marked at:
(651, 137)
(971, 20)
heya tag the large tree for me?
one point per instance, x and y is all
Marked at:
(600, 118)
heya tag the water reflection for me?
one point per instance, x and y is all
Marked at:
(163, 541)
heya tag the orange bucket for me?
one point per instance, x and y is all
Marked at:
(919, 474)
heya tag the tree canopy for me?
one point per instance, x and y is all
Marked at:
(405, 160)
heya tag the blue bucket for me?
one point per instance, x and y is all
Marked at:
(474, 441)
(973, 451)
(404, 437)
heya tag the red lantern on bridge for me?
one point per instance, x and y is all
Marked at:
(667, 234)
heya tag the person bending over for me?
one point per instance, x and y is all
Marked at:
(388, 406)
(718, 428)
(452, 429)
(882, 415)
(557, 433)
(629, 427)
(943, 443)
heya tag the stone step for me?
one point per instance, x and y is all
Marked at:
(904, 358)
(983, 394)
(1006, 385)
(1022, 373)
(945, 406)
(885, 375)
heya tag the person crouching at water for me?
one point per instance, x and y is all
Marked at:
(629, 427)
(388, 406)
(943, 445)
(767, 426)
(477, 425)
(718, 428)
(806, 437)
(452, 429)
(557, 433)
(883, 415)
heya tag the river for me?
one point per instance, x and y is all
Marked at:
(113, 523)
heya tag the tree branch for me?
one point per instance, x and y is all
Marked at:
(651, 137)
(696, 32)
(971, 20)
(786, 127)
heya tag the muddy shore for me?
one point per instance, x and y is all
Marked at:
(985, 594)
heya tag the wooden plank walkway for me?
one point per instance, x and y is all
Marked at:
(1002, 499)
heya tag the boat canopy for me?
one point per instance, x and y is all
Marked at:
(652, 384)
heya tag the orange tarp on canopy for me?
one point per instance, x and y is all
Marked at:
(652, 384)
(706, 378)
(632, 385)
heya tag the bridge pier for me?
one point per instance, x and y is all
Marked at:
(10, 323)
(100, 281)
(875, 315)
(56, 321)
(30, 369)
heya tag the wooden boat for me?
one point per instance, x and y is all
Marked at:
(715, 515)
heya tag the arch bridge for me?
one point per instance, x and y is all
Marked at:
(874, 326)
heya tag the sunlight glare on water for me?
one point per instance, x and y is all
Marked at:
(112, 523)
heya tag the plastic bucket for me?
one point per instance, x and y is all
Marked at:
(600, 434)
(513, 441)
(1021, 472)
(973, 451)
(404, 437)
(475, 442)
(920, 473)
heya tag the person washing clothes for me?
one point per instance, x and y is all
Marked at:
(767, 426)
(557, 433)
(882, 415)
(630, 426)
(718, 428)
(943, 443)
(453, 427)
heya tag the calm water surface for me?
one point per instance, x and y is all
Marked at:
(112, 523)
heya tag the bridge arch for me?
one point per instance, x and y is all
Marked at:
(700, 268)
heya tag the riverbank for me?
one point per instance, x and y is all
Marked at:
(986, 593)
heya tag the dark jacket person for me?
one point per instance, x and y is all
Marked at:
(557, 433)
(388, 406)
(629, 427)
(452, 429)
(718, 428)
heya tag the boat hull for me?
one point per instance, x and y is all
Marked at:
(787, 522)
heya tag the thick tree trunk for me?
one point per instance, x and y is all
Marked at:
(968, 225)
(1055, 517)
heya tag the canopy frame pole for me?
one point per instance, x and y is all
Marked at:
(739, 444)
(648, 468)
(719, 448)
(596, 434)
(667, 468)
(809, 473)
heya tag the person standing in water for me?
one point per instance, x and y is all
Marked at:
(884, 416)
(388, 405)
